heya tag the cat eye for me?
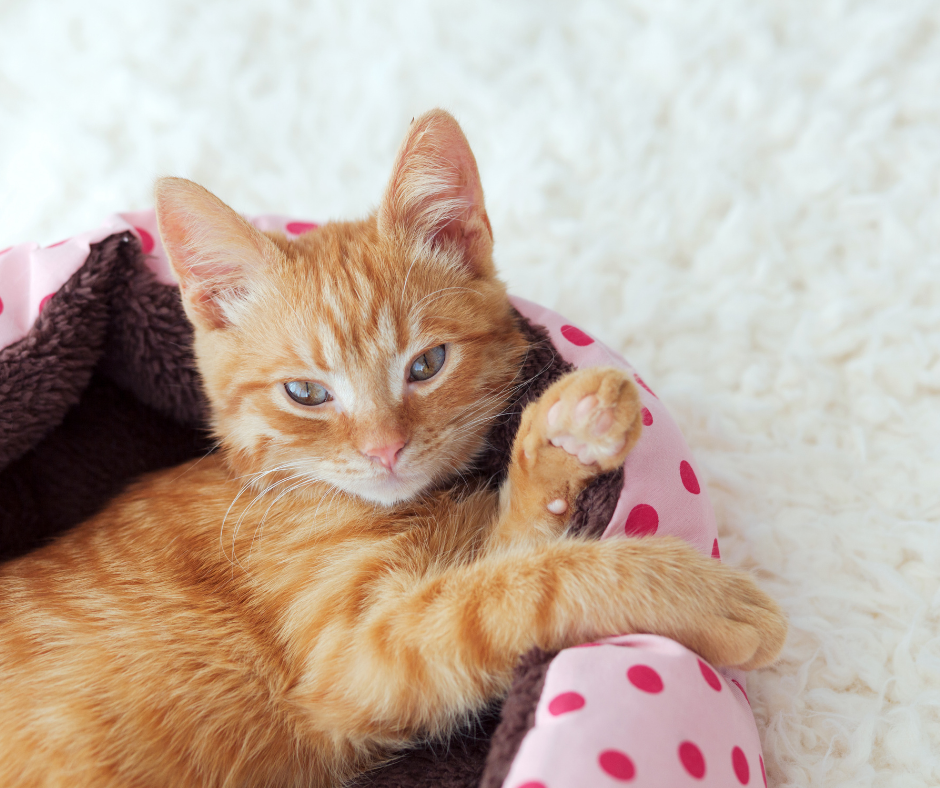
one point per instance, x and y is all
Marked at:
(428, 364)
(307, 393)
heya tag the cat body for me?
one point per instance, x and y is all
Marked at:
(261, 666)
(320, 592)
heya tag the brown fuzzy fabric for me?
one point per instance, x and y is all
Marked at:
(101, 390)
(104, 388)
(457, 762)
(43, 375)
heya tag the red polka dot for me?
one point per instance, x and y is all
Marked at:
(762, 772)
(576, 336)
(710, 676)
(645, 678)
(1, 306)
(692, 759)
(617, 765)
(736, 684)
(146, 240)
(299, 228)
(716, 553)
(647, 417)
(640, 381)
(57, 243)
(567, 701)
(532, 784)
(739, 761)
(643, 520)
(42, 304)
(688, 478)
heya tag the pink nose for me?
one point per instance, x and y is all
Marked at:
(386, 454)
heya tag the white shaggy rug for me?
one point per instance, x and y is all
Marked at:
(741, 195)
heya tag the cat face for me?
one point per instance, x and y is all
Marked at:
(369, 355)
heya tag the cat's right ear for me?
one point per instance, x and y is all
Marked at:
(434, 199)
(212, 250)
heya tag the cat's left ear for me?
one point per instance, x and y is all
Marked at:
(213, 251)
(434, 198)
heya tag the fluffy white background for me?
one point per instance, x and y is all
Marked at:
(741, 195)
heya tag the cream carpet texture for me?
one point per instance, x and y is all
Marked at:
(743, 196)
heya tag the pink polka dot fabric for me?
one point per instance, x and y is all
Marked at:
(640, 710)
(30, 274)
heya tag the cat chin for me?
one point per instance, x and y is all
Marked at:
(389, 491)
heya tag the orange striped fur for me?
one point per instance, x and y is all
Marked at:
(289, 611)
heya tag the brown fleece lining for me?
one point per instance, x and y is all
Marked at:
(104, 388)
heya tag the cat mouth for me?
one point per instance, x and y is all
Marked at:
(387, 478)
(389, 486)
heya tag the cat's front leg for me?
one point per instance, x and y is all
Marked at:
(583, 425)
(428, 647)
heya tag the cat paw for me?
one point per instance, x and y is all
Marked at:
(593, 415)
(717, 611)
(747, 631)
(664, 586)
(582, 426)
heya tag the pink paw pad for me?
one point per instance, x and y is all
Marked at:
(579, 442)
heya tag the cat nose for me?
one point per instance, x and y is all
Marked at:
(386, 453)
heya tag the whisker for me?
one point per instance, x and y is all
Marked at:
(253, 478)
(259, 529)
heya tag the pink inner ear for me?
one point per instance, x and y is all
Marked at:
(212, 249)
(435, 192)
(459, 225)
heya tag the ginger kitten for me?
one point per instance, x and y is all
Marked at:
(294, 608)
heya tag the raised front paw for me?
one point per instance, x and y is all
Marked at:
(593, 415)
(583, 425)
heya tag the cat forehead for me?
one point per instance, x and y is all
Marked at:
(343, 295)
(336, 332)
(359, 292)
(352, 259)
(340, 343)
(338, 247)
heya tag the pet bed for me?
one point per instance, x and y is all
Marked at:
(98, 385)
